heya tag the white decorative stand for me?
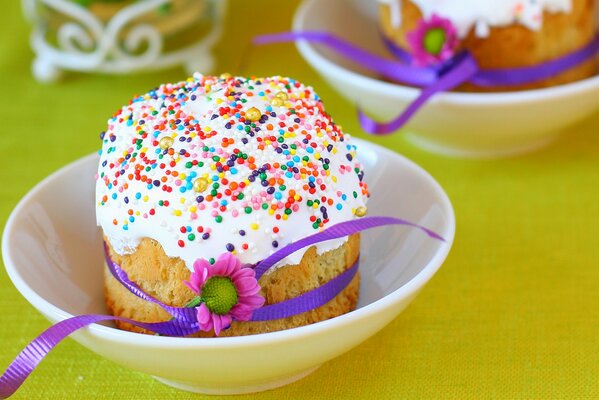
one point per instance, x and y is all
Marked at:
(86, 43)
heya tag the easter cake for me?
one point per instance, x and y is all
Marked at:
(502, 34)
(204, 178)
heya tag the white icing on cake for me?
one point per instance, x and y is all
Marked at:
(268, 182)
(482, 14)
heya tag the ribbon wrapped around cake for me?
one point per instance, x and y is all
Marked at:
(433, 65)
(216, 305)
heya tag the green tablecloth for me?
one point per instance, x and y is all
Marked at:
(513, 313)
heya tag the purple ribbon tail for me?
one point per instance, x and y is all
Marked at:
(30, 357)
(460, 72)
(391, 69)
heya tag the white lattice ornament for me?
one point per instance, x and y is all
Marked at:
(121, 36)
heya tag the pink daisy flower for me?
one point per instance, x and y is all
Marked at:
(227, 292)
(433, 41)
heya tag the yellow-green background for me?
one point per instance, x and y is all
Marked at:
(513, 313)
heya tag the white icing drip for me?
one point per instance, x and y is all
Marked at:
(164, 226)
(394, 11)
(482, 29)
(482, 14)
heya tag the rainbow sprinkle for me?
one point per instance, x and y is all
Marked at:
(209, 151)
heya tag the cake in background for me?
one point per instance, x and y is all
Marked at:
(498, 34)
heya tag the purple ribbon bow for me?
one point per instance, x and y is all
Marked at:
(460, 69)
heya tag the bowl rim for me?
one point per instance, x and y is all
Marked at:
(125, 337)
(367, 83)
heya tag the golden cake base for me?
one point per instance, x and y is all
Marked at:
(162, 277)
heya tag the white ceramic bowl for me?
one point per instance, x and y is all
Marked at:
(461, 124)
(53, 254)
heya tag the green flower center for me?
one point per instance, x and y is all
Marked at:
(433, 41)
(219, 294)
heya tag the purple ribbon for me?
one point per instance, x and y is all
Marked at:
(513, 76)
(460, 69)
(184, 320)
(309, 300)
